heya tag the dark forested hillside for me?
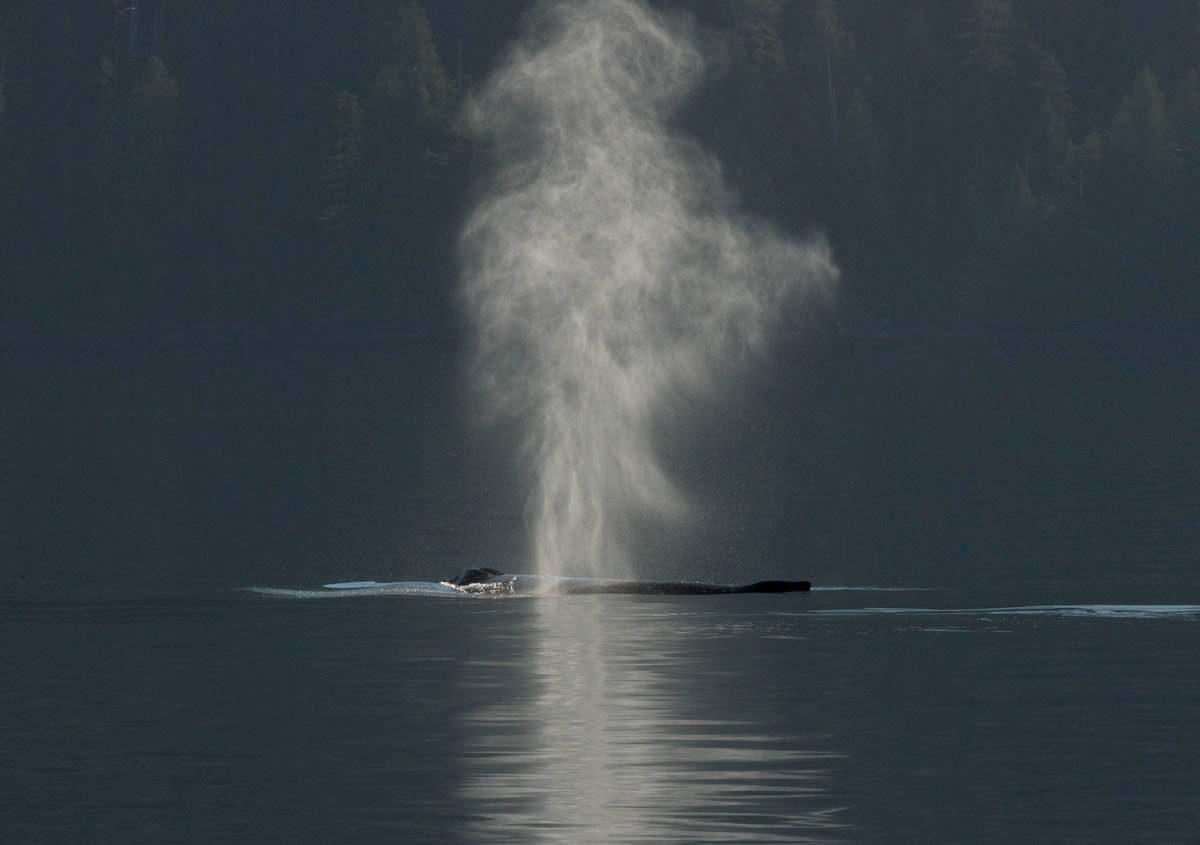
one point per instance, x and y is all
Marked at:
(217, 160)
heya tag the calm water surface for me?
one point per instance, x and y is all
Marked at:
(1021, 475)
(838, 716)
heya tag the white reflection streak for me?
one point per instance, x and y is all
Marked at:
(606, 750)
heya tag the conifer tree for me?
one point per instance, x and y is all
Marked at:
(1140, 136)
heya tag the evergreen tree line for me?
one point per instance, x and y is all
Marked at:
(988, 161)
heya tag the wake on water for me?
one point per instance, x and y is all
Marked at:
(361, 589)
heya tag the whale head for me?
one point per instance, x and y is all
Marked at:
(473, 576)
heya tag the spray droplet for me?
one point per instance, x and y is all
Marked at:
(608, 271)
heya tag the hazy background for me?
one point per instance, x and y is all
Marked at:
(232, 352)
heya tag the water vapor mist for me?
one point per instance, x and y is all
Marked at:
(607, 270)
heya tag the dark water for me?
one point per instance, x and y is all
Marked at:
(818, 717)
(1034, 489)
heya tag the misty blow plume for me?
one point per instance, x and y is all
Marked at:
(607, 270)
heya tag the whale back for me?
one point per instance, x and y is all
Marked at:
(778, 587)
(479, 579)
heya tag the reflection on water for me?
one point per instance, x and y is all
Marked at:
(619, 741)
(596, 718)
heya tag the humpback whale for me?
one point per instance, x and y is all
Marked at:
(493, 581)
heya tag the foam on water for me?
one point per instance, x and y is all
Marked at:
(352, 589)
